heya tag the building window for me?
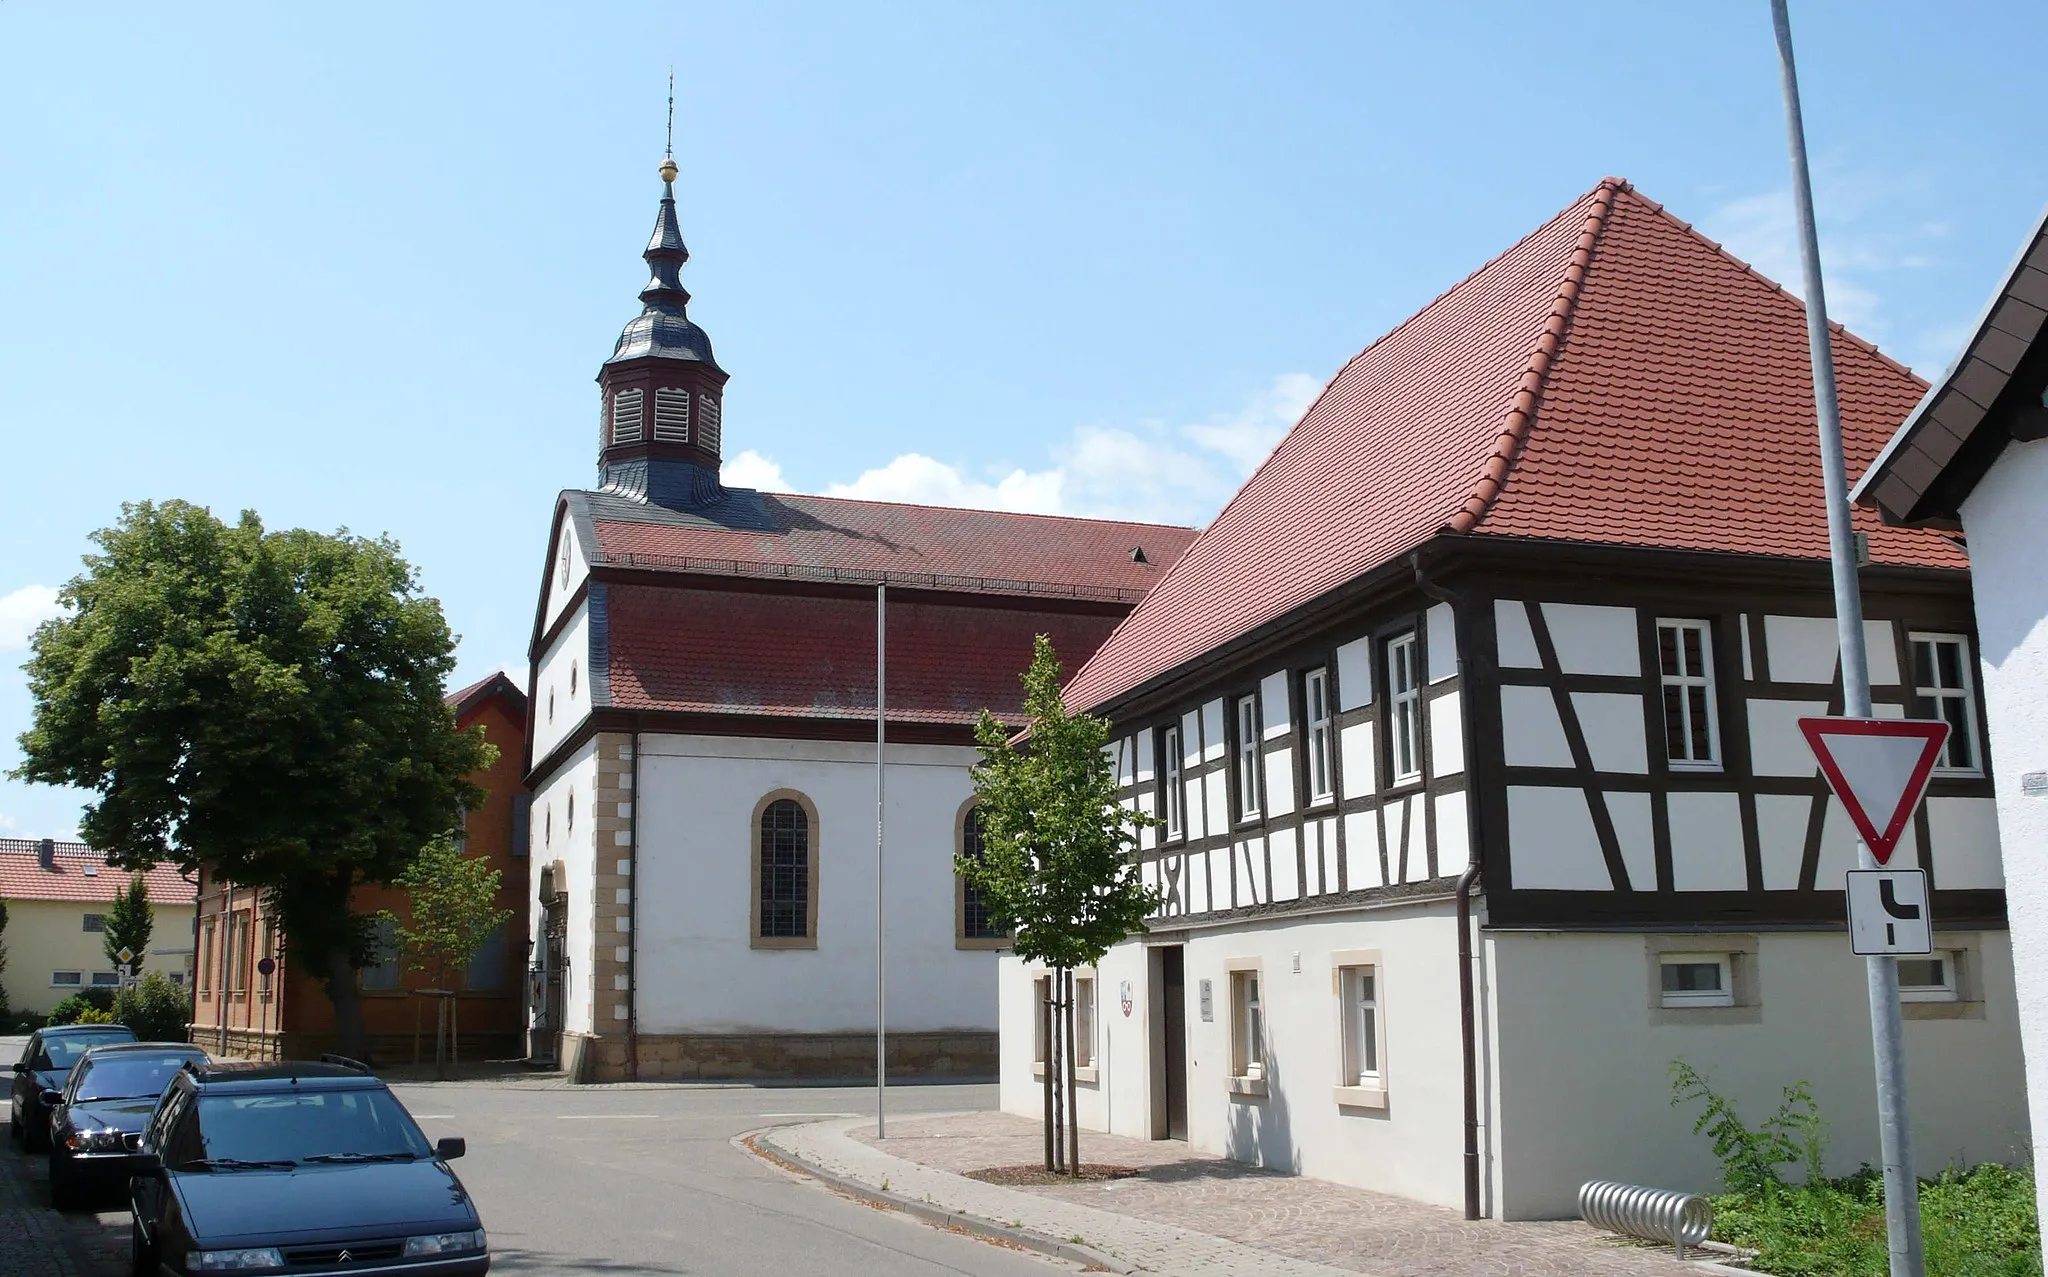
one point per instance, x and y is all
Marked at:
(238, 951)
(203, 977)
(626, 416)
(1041, 992)
(106, 979)
(1247, 757)
(1696, 980)
(178, 978)
(1685, 652)
(976, 923)
(66, 979)
(569, 821)
(707, 423)
(1930, 979)
(1404, 709)
(1364, 1047)
(486, 971)
(671, 415)
(95, 922)
(786, 873)
(1084, 1021)
(1315, 699)
(1175, 795)
(269, 951)
(382, 976)
(1247, 1027)
(1943, 689)
(572, 680)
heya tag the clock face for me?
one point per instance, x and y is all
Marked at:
(565, 564)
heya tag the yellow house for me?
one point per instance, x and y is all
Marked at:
(57, 896)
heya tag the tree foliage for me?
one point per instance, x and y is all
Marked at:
(267, 704)
(129, 924)
(1056, 865)
(454, 910)
(154, 1007)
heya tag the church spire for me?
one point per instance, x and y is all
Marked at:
(663, 391)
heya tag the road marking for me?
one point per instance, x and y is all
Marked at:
(606, 1117)
(810, 1115)
(431, 1117)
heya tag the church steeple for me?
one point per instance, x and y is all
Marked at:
(663, 392)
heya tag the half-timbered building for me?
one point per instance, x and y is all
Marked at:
(1470, 726)
(707, 899)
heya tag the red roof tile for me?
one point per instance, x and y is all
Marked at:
(1614, 377)
(984, 551)
(22, 876)
(745, 652)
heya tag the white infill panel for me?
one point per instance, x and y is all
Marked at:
(1355, 746)
(1446, 736)
(1196, 884)
(1286, 869)
(1196, 811)
(1511, 631)
(1630, 814)
(1441, 643)
(1147, 755)
(1326, 839)
(1362, 852)
(1706, 842)
(1394, 831)
(1248, 866)
(1453, 839)
(1800, 649)
(1551, 843)
(1273, 704)
(1594, 640)
(1212, 730)
(1532, 735)
(1881, 653)
(1613, 726)
(1964, 837)
(1279, 767)
(1775, 746)
(1217, 799)
(1354, 674)
(1781, 838)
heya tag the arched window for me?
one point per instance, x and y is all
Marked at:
(974, 926)
(785, 912)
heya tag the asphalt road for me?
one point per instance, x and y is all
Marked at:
(640, 1180)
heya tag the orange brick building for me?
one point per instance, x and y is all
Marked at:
(240, 1009)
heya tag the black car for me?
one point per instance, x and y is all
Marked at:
(44, 1065)
(107, 1102)
(297, 1168)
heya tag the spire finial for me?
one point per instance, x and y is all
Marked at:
(668, 152)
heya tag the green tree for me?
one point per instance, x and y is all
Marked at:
(129, 924)
(267, 704)
(453, 907)
(1057, 865)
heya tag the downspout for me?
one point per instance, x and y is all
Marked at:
(1468, 1028)
(633, 926)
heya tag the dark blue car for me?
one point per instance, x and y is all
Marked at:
(102, 1110)
(297, 1168)
(45, 1065)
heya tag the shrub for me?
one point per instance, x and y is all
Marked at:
(71, 1010)
(154, 1007)
(1750, 1157)
(93, 1015)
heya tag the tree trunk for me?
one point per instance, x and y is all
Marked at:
(1073, 1093)
(1046, 1070)
(350, 1039)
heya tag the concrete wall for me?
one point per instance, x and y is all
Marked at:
(2006, 522)
(699, 971)
(1579, 1079)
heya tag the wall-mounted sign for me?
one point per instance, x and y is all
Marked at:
(2034, 784)
(1123, 997)
(1208, 997)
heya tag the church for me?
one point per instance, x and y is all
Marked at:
(702, 745)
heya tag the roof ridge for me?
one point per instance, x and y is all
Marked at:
(1514, 428)
(977, 509)
(1835, 326)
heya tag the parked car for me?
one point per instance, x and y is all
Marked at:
(107, 1101)
(296, 1167)
(45, 1065)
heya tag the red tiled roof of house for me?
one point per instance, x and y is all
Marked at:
(981, 551)
(1613, 378)
(81, 875)
(495, 684)
(748, 652)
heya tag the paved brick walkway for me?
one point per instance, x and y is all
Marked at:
(36, 1241)
(1198, 1215)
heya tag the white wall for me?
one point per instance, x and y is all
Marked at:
(1583, 1091)
(551, 679)
(698, 971)
(2006, 522)
(551, 838)
(558, 593)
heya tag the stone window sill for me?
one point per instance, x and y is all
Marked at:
(1248, 1086)
(1086, 1075)
(1360, 1097)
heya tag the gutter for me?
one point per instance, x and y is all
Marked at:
(1468, 1031)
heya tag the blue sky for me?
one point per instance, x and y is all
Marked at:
(357, 265)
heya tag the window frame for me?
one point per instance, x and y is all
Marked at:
(1950, 990)
(1246, 992)
(77, 980)
(1084, 1024)
(813, 833)
(1927, 700)
(1246, 766)
(962, 939)
(105, 980)
(93, 923)
(387, 939)
(1703, 682)
(1319, 733)
(1173, 795)
(1683, 999)
(1404, 707)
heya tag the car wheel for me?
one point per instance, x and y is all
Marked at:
(141, 1255)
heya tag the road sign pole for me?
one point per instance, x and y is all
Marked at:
(1901, 1189)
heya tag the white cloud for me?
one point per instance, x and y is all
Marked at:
(1150, 472)
(22, 611)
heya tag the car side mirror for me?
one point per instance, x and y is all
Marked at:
(450, 1147)
(51, 1099)
(145, 1165)
(20, 1067)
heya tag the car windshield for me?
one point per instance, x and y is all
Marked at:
(297, 1126)
(131, 1075)
(60, 1052)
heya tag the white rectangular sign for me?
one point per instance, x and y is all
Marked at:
(1889, 912)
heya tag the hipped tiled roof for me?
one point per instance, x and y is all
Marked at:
(22, 876)
(1614, 378)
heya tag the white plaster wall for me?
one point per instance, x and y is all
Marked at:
(1806, 649)
(698, 971)
(1446, 736)
(1357, 772)
(1441, 644)
(1613, 725)
(558, 594)
(1706, 842)
(2007, 524)
(1582, 1076)
(1516, 640)
(550, 838)
(1413, 1147)
(1354, 674)
(1532, 735)
(551, 677)
(1273, 708)
(1551, 843)
(1594, 640)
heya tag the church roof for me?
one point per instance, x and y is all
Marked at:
(833, 539)
(1614, 378)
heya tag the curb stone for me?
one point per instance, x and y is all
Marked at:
(762, 1145)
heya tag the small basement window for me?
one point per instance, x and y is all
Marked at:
(66, 979)
(1929, 979)
(1696, 980)
(106, 979)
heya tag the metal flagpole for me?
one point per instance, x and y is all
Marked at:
(1901, 1188)
(881, 902)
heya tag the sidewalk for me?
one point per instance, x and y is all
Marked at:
(1199, 1216)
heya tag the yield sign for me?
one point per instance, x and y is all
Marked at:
(1878, 767)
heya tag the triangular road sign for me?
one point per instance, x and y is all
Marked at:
(1879, 768)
